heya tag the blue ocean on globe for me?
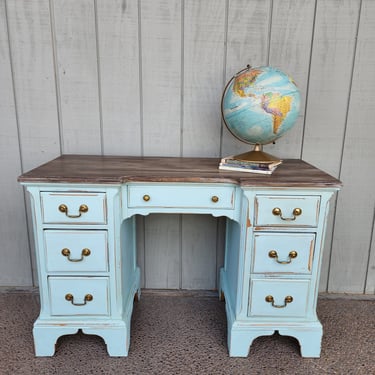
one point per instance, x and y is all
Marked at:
(260, 104)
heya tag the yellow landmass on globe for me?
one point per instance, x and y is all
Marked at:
(278, 106)
(244, 80)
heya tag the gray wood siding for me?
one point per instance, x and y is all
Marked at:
(145, 77)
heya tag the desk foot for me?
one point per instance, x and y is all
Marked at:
(309, 337)
(117, 337)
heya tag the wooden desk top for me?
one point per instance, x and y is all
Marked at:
(121, 169)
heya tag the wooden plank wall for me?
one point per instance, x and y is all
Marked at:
(145, 77)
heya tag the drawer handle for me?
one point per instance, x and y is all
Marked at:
(70, 297)
(273, 254)
(146, 198)
(215, 198)
(287, 299)
(296, 212)
(82, 209)
(85, 253)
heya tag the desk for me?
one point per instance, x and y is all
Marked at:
(84, 211)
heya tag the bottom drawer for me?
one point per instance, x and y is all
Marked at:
(79, 295)
(278, 298)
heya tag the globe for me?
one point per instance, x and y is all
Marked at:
(259, 105)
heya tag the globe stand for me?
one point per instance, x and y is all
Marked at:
(257, 155)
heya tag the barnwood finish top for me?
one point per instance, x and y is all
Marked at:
(120, 169)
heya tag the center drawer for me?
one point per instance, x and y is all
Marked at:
(79, 295)
(187, 196)
(76, 250)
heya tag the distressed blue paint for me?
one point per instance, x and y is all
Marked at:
(110, 274)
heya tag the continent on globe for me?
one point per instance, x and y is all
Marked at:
(245, 80)
(278, 106)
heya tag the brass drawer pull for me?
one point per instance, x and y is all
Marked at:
(82, 209)
(287, 299)
(146, 198)
(85, 253)
(296, 212)
(292, 254)
(215, 199)
(70, 297)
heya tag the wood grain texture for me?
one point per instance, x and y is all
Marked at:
(120, 169)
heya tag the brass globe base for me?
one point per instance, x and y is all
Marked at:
(257, 155)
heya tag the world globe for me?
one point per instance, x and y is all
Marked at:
(258, 106)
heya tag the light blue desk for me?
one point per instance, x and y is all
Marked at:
(84, 211)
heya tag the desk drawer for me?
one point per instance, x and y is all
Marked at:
(79, 295)
(286, 210)
(283, 252)
(187, 196)
(73, 208)
(76, 250)
(278, 298)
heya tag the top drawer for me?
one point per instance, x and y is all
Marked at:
(186, 196)
(287, 210)
(73, 208)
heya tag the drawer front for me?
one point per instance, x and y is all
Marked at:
(181, 196)
(278, 298)
(73, 208)
(284, 210)
(79, 295)
(283, 252)
(78, 250)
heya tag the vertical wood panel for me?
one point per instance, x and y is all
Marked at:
(76, 58)
(199, 252)
(15, 266)
(162, 259)
(328, 93)
(204, 23)
(331, 69)
(161, 76)
(247, 43)
(370, 280)
(290, 47)
(119, 76)
(34, 84)
(356, 201)
(161, 113)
